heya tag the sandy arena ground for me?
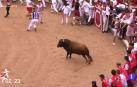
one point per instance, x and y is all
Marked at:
(33, 57)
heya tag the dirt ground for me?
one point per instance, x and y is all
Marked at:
(34, 59)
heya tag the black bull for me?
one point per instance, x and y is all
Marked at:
(74, 47)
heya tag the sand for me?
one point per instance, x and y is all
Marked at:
(34, 59)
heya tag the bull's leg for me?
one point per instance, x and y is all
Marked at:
(90, 58)
(67, 55)
(85, 58)
(70, 55)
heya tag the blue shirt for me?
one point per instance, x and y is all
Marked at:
(35, 15)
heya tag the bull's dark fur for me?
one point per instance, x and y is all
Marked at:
(74, 47)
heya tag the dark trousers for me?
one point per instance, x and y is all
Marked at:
(123, 31)
(7, 9)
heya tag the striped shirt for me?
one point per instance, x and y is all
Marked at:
(35, 15)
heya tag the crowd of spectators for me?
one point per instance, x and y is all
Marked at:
(121, 17)
(118, 16)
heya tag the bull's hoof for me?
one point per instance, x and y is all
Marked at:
(67, 58)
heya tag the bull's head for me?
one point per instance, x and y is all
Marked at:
(60, 43)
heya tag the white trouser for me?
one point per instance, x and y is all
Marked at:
(1, 4)
(33, 23)
(90, 15)
(105, 24)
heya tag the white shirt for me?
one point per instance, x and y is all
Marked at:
(66, 10)
(54, 1)
(86, 6)
(104, 14)
(29, 3)
(121, 6)
(107, 10)
(127, 20)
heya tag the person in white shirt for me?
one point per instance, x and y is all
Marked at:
(104, 18)
(108, 15)
(1, 4)
(125, 21)
(66, 12)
